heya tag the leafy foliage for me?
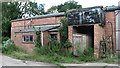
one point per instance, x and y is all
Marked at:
(64, 30)
(9, 47)
(14, 10)
(32, 8)
(52, 9)
(68, 5)
(37, 41)
(10, 11)
(87, 55)
(54, 46)
(71, 4)
(5, 39)
(67, 44)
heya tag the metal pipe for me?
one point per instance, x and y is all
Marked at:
(28, 23)
(42, 38)
(25, 13)
(113, 51)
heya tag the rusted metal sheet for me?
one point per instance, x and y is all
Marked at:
(87, 16)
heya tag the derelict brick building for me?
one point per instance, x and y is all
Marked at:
(23, 34)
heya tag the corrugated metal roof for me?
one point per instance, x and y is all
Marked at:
(111, 8)
(41, 16)
(37, 29)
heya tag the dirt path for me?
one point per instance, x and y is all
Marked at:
(8, 61)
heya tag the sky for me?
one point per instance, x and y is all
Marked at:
(84, 3)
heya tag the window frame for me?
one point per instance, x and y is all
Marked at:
(54, 38)
(27, 38)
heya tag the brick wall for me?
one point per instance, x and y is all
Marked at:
(38, 21)
(45, 38)
(19, 25)
(111, 17)
(99, 32)
(27, 46)
(70, 33)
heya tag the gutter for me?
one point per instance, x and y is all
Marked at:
(40, 16)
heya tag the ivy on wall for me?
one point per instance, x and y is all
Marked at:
(37, 43)
(64, 30)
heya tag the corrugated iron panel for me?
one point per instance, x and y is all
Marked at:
(118, 29)
(88, 16)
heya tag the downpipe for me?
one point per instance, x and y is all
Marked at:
(113, 50)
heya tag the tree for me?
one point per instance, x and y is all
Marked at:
(53, 9)
(68, 5)
(14, 10)
(71, 4)
(33, 9)
(10, 11)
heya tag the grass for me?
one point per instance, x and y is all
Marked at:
(113, 60)
(56, 59)
(46, 55)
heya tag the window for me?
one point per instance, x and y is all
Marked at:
(53, 36)
(28, 38)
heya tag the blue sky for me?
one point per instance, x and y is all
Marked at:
(84, 3)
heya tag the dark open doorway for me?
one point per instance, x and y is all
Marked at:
(83, 37)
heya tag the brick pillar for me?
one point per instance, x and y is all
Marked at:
(70, 33)
(45, 38)
(99, 32)
(111, 17)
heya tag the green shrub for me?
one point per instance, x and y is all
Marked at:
(67, 44)
(8, 47)
(55, 46)
(42, 51)
(87, 55)
(64, 30)
(5, 38)
(57, 58)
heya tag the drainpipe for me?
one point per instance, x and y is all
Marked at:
(25, 14)
(113, 51)
(42, 38)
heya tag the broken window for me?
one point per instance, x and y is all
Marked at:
(28, 38)
(53, 36)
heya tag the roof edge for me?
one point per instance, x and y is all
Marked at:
(41, 16)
